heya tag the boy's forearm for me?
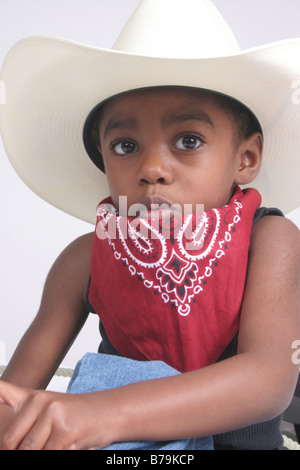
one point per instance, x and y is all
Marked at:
(37, 357)
(29, 365)
(183, 406)
(191, 404)
(61, 315)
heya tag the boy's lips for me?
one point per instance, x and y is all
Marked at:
(151, 201)
(156, 206)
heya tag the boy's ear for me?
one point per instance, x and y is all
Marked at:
(249, 159)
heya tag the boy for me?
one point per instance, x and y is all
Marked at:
(183, 146)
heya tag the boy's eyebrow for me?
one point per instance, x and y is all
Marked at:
(128, 123)
(196, 115)
(131, 123)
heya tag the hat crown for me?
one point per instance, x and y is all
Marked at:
(177, 29)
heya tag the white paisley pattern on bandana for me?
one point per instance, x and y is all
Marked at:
(179, 276)
(172, 290)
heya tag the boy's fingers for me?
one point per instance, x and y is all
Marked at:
(12, 395)
(31, 434)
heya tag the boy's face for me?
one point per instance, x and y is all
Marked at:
(171, 143)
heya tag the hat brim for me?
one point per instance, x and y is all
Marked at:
(52, 85)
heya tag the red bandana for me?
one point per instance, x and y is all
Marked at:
(174, 298)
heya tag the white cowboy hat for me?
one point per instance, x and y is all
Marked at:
(49, 87)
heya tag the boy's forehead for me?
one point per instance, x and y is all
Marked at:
(166, 106)
(169, 92)
(172, 100)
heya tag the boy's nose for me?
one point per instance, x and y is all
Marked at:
(154, 168)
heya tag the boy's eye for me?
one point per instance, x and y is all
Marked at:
(188, 143)
(125, 148)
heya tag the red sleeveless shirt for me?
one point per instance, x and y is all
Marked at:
(174, 298)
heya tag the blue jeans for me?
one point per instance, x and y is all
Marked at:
(96, 372)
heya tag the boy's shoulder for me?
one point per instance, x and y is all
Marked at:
(81, 244)
(280, 225)
(276, 235)
(65, 286)
(77, 255)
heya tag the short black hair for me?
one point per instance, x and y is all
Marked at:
(247, 124)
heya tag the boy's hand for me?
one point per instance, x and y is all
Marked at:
(7, 415)
(49, 420)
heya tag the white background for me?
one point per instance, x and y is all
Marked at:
(32, 233)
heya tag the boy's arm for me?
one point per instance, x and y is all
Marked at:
(61, 315)
(255, 385)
